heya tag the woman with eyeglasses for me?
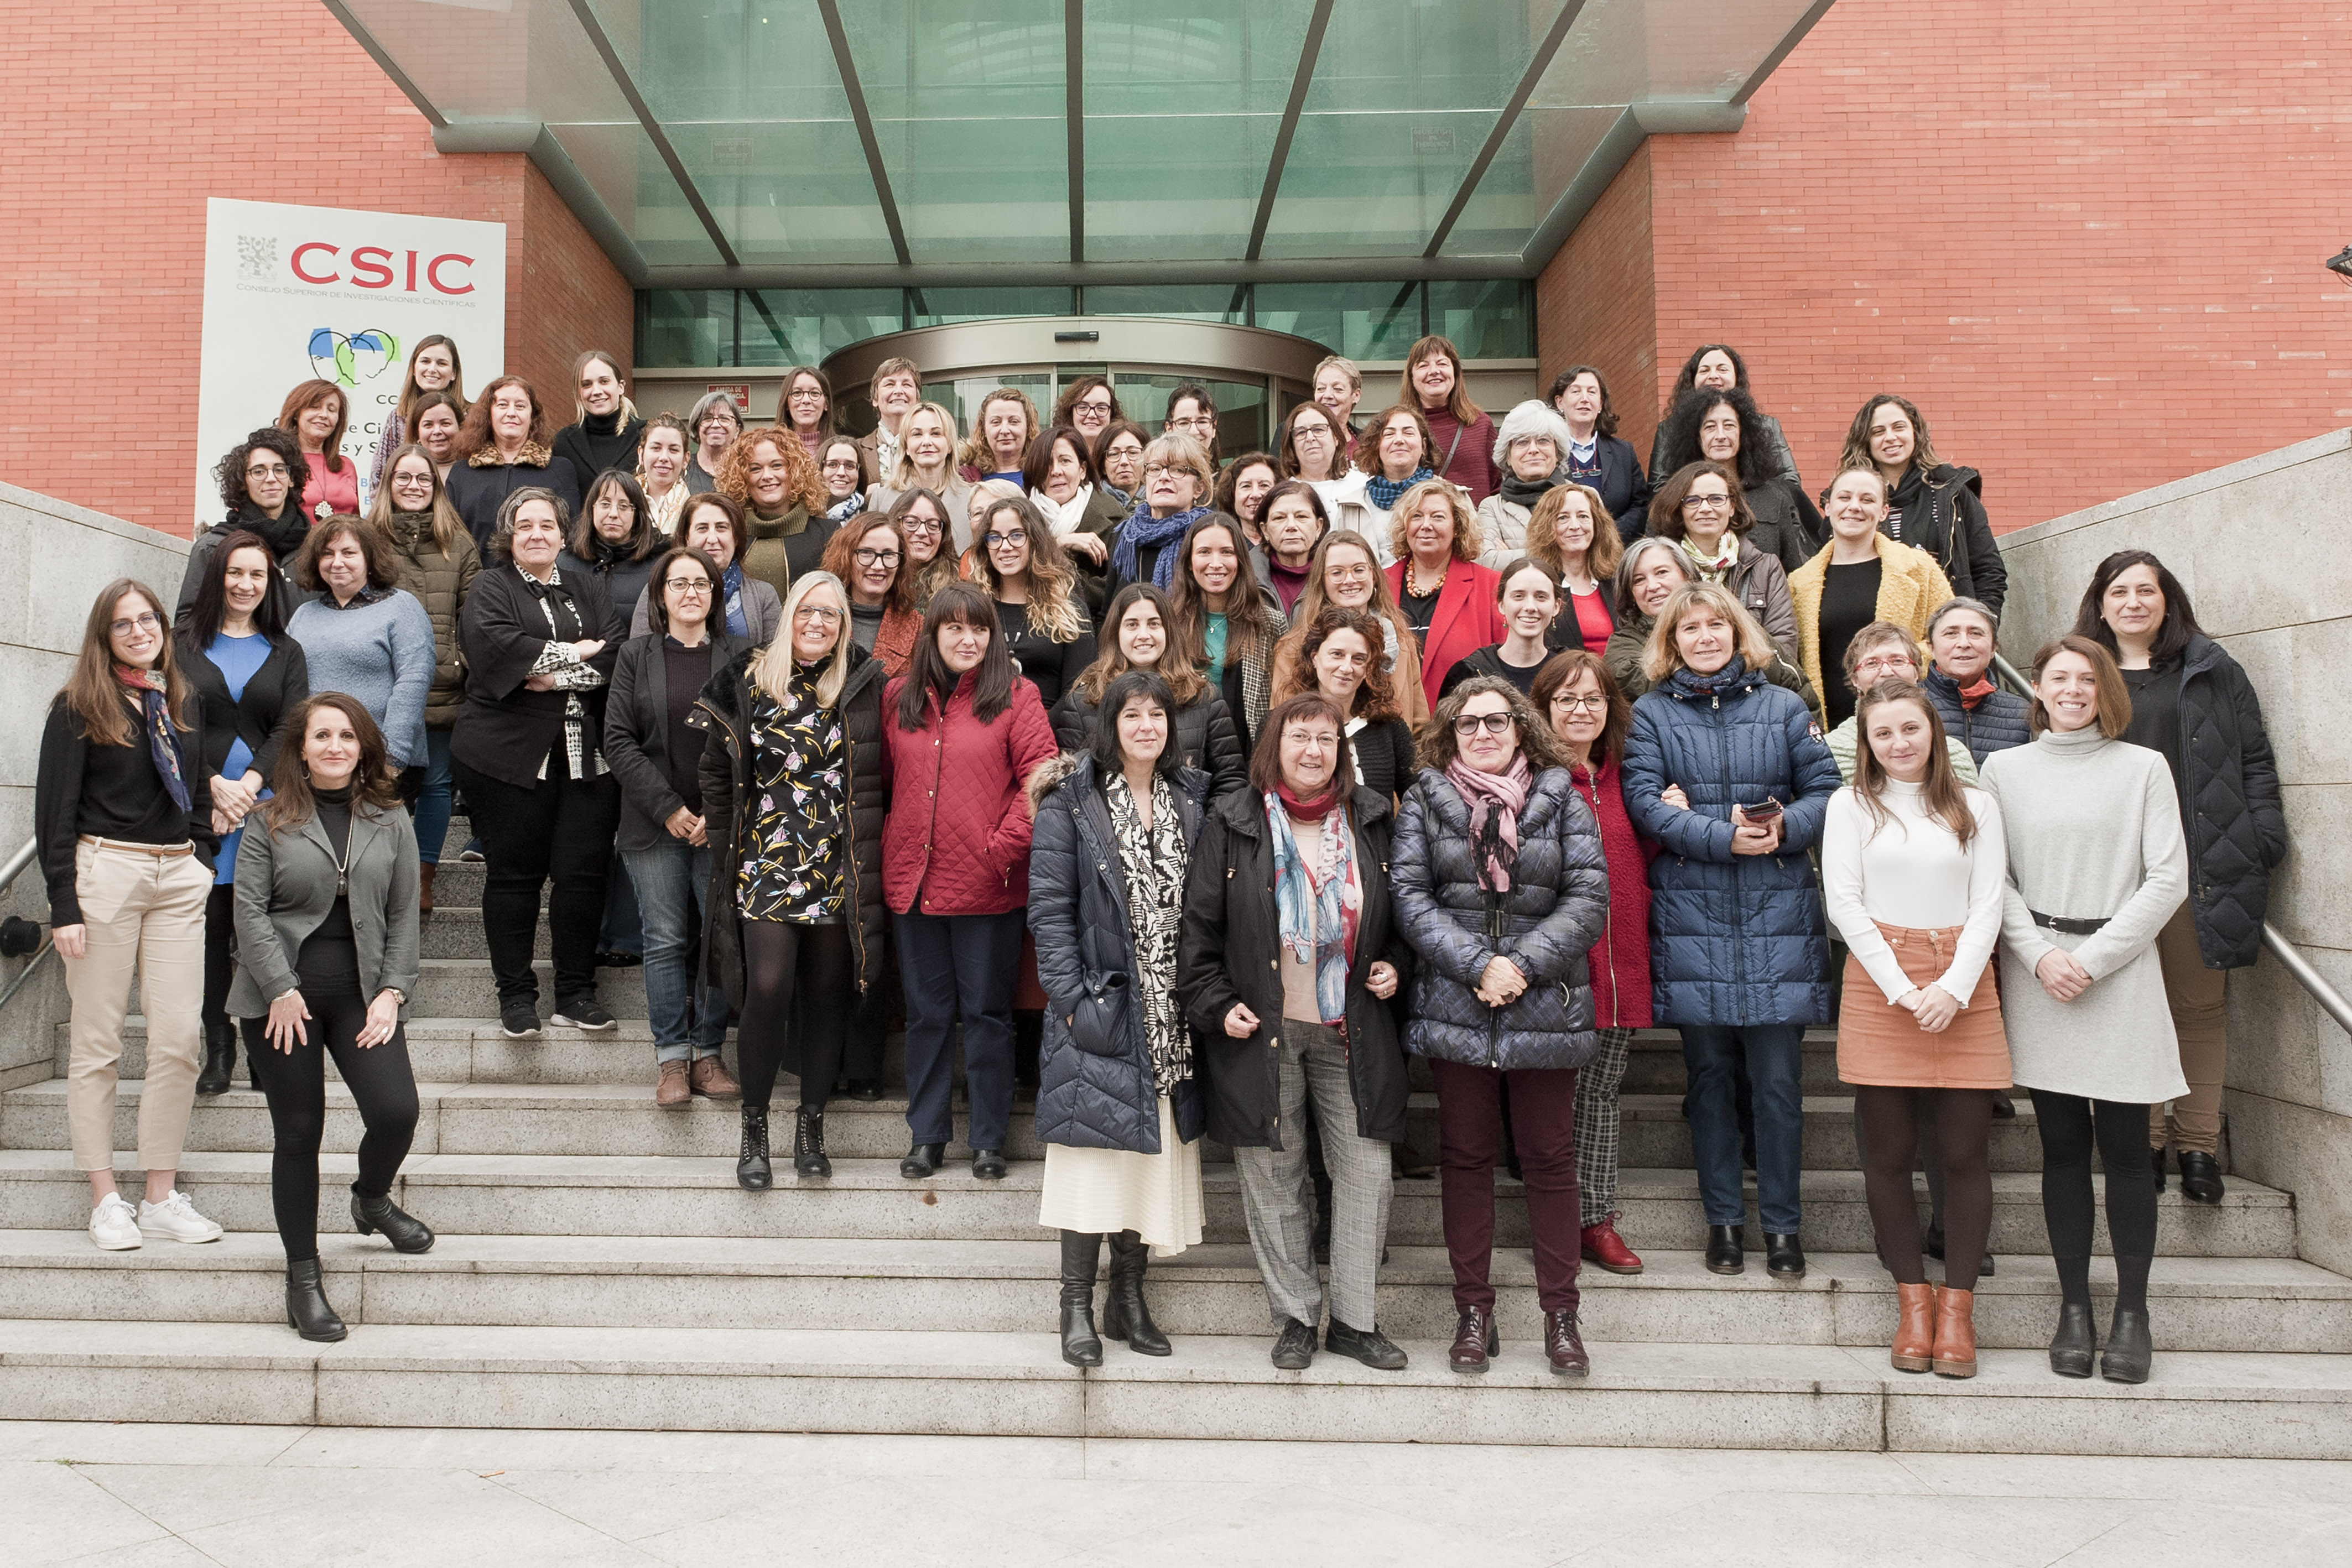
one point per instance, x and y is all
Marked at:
(745, 607)
(1502, 889)
(1176, 480)
(257, 481)
(1859, 577)
(1315, 447)
(794, 781)
(927, 444)
(1703, 510)
(1118, 457)
(1193, 413)
(841, 466)
(714, 425)
(615, 541)
(1724, 428)
(1346, 572)
(1139, 636)
(1590, 716)
(870, 557)
(929, 565)
(1089, 406)
(1039, 609)
(123, 807)
(1294, 522)
(805, 407)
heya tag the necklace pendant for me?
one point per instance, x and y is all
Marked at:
(342, 883)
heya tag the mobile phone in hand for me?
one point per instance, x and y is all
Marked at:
(1763, 815)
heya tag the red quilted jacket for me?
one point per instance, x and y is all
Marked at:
(1621, 959)
(958, 831)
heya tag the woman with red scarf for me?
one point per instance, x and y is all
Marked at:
(1502, 888)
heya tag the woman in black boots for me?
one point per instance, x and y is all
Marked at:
(792, 801)
(1118, 1107)
(327, 949)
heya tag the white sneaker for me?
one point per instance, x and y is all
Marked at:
(113, 1225)
(175, 1219)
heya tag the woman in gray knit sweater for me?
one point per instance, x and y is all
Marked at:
(2097, 866)
(364, 635)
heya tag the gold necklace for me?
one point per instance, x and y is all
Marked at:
(1413, 578)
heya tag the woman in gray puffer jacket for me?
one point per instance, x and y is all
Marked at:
(1501, 889)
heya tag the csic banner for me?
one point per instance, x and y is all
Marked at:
(295, 294)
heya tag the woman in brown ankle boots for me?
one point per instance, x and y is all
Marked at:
(1913, 864)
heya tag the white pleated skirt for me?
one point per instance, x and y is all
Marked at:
(1157, 1196)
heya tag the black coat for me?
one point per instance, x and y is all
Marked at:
(1788, 526)
(2001, 721)
(1205, 737)
(1095, 1087)
(625, 580)
(1231, 953)
(1485, 660)
(1052, 667)
(1384, 757)
(1623, 487)
(505, 729)
(725, 712)
(590, 453)
(285, 536)
(478, 492)
(1944, 515)
(2236, 828)
(636, 735)
(260, 715)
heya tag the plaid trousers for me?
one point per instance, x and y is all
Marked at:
(1279, 1203)
(1596, 1125)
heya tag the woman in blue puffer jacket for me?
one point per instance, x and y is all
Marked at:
(1118, 1106)
(1739, 954)
(1501, 889)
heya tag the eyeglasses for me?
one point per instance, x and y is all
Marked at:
(266, 471)
(816, 615)
(1303, 431)
(1707, 503)
(1469, 724)
(146, 622)
(1088, 405)
(692, 587)
(1884, 662)
(1592, 702)
(877, 558)
(1197, 421)
(1151, 470)
(994, 539)
(1347, 573)
(923, 526)
(806, 395)
(848, 462)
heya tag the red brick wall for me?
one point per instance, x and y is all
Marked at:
(2086, 239)
(116, 133)
(1597, 303)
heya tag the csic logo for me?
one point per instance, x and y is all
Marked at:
(347, 359)
(373, 266)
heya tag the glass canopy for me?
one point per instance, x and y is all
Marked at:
(792, 134)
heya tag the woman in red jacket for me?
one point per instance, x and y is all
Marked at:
(1446, 596)
(1590, 716)
(961, 732)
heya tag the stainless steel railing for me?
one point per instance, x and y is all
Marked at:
(19, 936)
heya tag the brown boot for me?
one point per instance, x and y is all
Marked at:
(425, 870)
(1956, 1334)
(672, 1090)
(710, 1079)
(1915, 1334)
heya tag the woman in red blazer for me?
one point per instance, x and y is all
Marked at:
(962, 731)
(1445, 594)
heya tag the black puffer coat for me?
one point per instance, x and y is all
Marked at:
(2001, 721)
(1943, 514)
(1095, 1088)
(2236, 826)
(1205, 737)
(1232, 953)
(1546, 926)
(723, 712)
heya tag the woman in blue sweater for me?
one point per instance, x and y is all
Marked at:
(364, 635)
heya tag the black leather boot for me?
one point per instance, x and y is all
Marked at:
(307, 1311)
(752, 1172)
(1784, 1256)
(1125, 1316)
(220, 1059)
(2200, 1176)
(2072, 1346)
(2129, 1349)
(922, 1162)
(1724, 1254)
(1081, 1251)
(2156, 1158)
(808, 1144)
(404, 1231)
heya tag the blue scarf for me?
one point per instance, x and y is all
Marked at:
(1310, 902)
(1384, 491)
(731, 589)
(848, 507)
(1140, 530)
(146, 688)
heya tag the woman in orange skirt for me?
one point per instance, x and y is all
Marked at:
(1913, 863)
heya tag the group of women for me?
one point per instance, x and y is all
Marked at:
(1201, 799)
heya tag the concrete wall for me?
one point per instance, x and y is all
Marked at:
(2258, 546)
(54, 557)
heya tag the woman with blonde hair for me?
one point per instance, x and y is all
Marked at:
(772, 477)
(1858, 577)
(1003, 426)
(1173, 491)
(605, 425)
(1346, 572)
(662, 448)
(1448, 599)
(927, 446)
(433, 367)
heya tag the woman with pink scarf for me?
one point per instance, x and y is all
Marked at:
(1501, 890)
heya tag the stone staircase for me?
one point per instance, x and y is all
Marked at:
(598, 1266)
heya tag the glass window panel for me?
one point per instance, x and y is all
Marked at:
(620, 163)
(1371, 185)
(1190, 302)
(1357, 320)
(962, 393)
(1487, 319)
(941, 307)
(823, 320)
(522, 59)
(686, 327)
(1241, 422)
(1391, 56)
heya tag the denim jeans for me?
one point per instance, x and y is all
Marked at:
(1774, 1055)
(623, 926)
(672, 881)
(431, 812)
(959, 965)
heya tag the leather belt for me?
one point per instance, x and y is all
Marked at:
(2060, 924)
(161, 851)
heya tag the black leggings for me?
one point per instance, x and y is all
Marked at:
(220, 957)
(781, 960)
(2068, 1124)
(1961, 1122)
(295, 1083)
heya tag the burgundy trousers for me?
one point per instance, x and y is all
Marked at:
(1469, 1133)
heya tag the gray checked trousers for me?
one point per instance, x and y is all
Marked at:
(1279, 1203)
(1597, 1128)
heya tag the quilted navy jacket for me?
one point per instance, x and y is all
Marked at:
(2001, 721)
(1094, 1089)
(1735, 940)
(1546, 926)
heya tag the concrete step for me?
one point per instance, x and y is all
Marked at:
(617, 1195)
(621, 1119)
(455, 930)
(2272, 1305)
(1811, 1397)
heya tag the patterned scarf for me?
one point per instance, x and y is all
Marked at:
(1314, 914)
(731, 589)
(1143, 530)
(848, 507)
(1384, 491)
(146, 688)
(1495, 800)
(1153, 861)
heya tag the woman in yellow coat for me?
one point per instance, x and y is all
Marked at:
(1859, 577)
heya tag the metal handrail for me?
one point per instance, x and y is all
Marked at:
(2298, 968)
(18, 862)
(15, 867)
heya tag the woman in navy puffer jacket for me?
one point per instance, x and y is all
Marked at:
(1738, 957)
(1501, 889)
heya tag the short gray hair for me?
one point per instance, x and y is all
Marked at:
(1973, 606)
(704, 404)
(1633, 554)
(1530, 418)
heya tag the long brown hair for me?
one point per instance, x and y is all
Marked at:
(1602, 557)
(411, 393)
(1175, 668)
(1856, 453)
(1055, 612)
(1457, 401)
(475, 434)
(1666, 506)
(1947, 799)
(841, 556)
(1376, 697)
(91, 690)
(1250, 624)
(305, 397)
(1313, 600)
(446, 523)
(928, 676)
(1559, 672)
(375, 791)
